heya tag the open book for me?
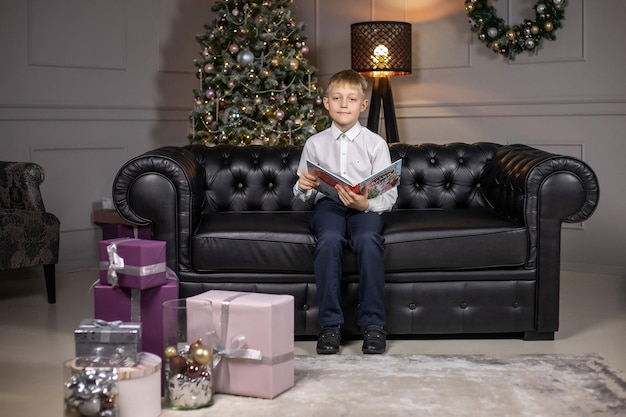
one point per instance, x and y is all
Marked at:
(378, 183)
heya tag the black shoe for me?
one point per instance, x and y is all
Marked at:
(374, 340)
(328, 340)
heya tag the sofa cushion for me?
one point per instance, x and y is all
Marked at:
(253, 242)
(282, 242)
(466, 238)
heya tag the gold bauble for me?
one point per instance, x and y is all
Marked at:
(170, 352)
(469, 7)
(293, 64)
(548, 26)
(201, 355)
(495, 46)
(510, 35)
(534, 29)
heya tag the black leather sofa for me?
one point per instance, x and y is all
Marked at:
(472, 244)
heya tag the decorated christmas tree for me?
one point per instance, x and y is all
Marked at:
(256, 86)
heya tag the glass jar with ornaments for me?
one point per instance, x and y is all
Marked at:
(188, 356)
(91, 387)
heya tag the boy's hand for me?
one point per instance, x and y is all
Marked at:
(352, 199)
(307, 181)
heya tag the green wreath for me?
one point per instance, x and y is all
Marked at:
(510, 41)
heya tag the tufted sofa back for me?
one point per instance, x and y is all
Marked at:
(442, 176)
(260, 178)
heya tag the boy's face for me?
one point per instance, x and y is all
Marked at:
(344, 103)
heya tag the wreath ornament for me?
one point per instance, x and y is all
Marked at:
(510, 41)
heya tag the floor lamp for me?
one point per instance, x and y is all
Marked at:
(380, 50)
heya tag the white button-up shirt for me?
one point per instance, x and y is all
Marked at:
(354, 155)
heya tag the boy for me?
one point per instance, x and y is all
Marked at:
(353, 152)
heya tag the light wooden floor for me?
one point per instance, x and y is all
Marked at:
(35, 337)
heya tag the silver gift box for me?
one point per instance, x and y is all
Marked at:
(119, 341)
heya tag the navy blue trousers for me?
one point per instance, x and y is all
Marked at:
(336, 226)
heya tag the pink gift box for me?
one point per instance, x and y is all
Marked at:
(137, 263)
(145, 306)
(258, 330)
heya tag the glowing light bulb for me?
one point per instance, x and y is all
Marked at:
(380, 57)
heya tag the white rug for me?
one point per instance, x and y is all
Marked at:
(438, 385)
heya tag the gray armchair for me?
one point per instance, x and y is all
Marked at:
(29, 235)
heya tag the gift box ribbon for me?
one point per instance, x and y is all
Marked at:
(106, 328)
(237, 348)
(116, 264)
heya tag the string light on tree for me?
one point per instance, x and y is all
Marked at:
(512, 40)
(256, 84)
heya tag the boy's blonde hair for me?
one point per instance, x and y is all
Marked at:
(348, 77)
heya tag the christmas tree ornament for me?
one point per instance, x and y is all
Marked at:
(279, 114)
(90, 407)
(178, 364)
(201, 355)
(170, 352)
(510, 35)
(245, 57)
(511, 40)
(233, 48)
(293, 64)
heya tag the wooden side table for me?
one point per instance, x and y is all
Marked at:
(113, 226)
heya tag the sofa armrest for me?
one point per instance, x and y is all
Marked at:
(533, 187)
(163, 188)
(519, 176)
(541, 190)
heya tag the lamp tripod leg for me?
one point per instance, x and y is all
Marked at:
(381, 91)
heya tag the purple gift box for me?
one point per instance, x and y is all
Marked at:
(145, 306)
(132, 263)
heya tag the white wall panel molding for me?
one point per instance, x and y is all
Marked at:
(94, 113)
(77, 34)
(543, 108)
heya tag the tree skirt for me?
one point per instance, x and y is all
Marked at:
(438, 385)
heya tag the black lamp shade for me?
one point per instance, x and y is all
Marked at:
(381, 49)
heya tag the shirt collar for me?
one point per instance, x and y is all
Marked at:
(351, 134)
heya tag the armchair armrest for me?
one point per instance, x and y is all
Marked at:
(19, 186)
(163, 187)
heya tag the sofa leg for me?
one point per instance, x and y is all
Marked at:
(48, 272)
(538, 336)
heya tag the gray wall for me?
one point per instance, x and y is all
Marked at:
(85, 85)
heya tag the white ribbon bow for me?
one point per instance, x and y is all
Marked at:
(116, 263)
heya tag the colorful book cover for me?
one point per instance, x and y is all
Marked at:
(376, 184)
